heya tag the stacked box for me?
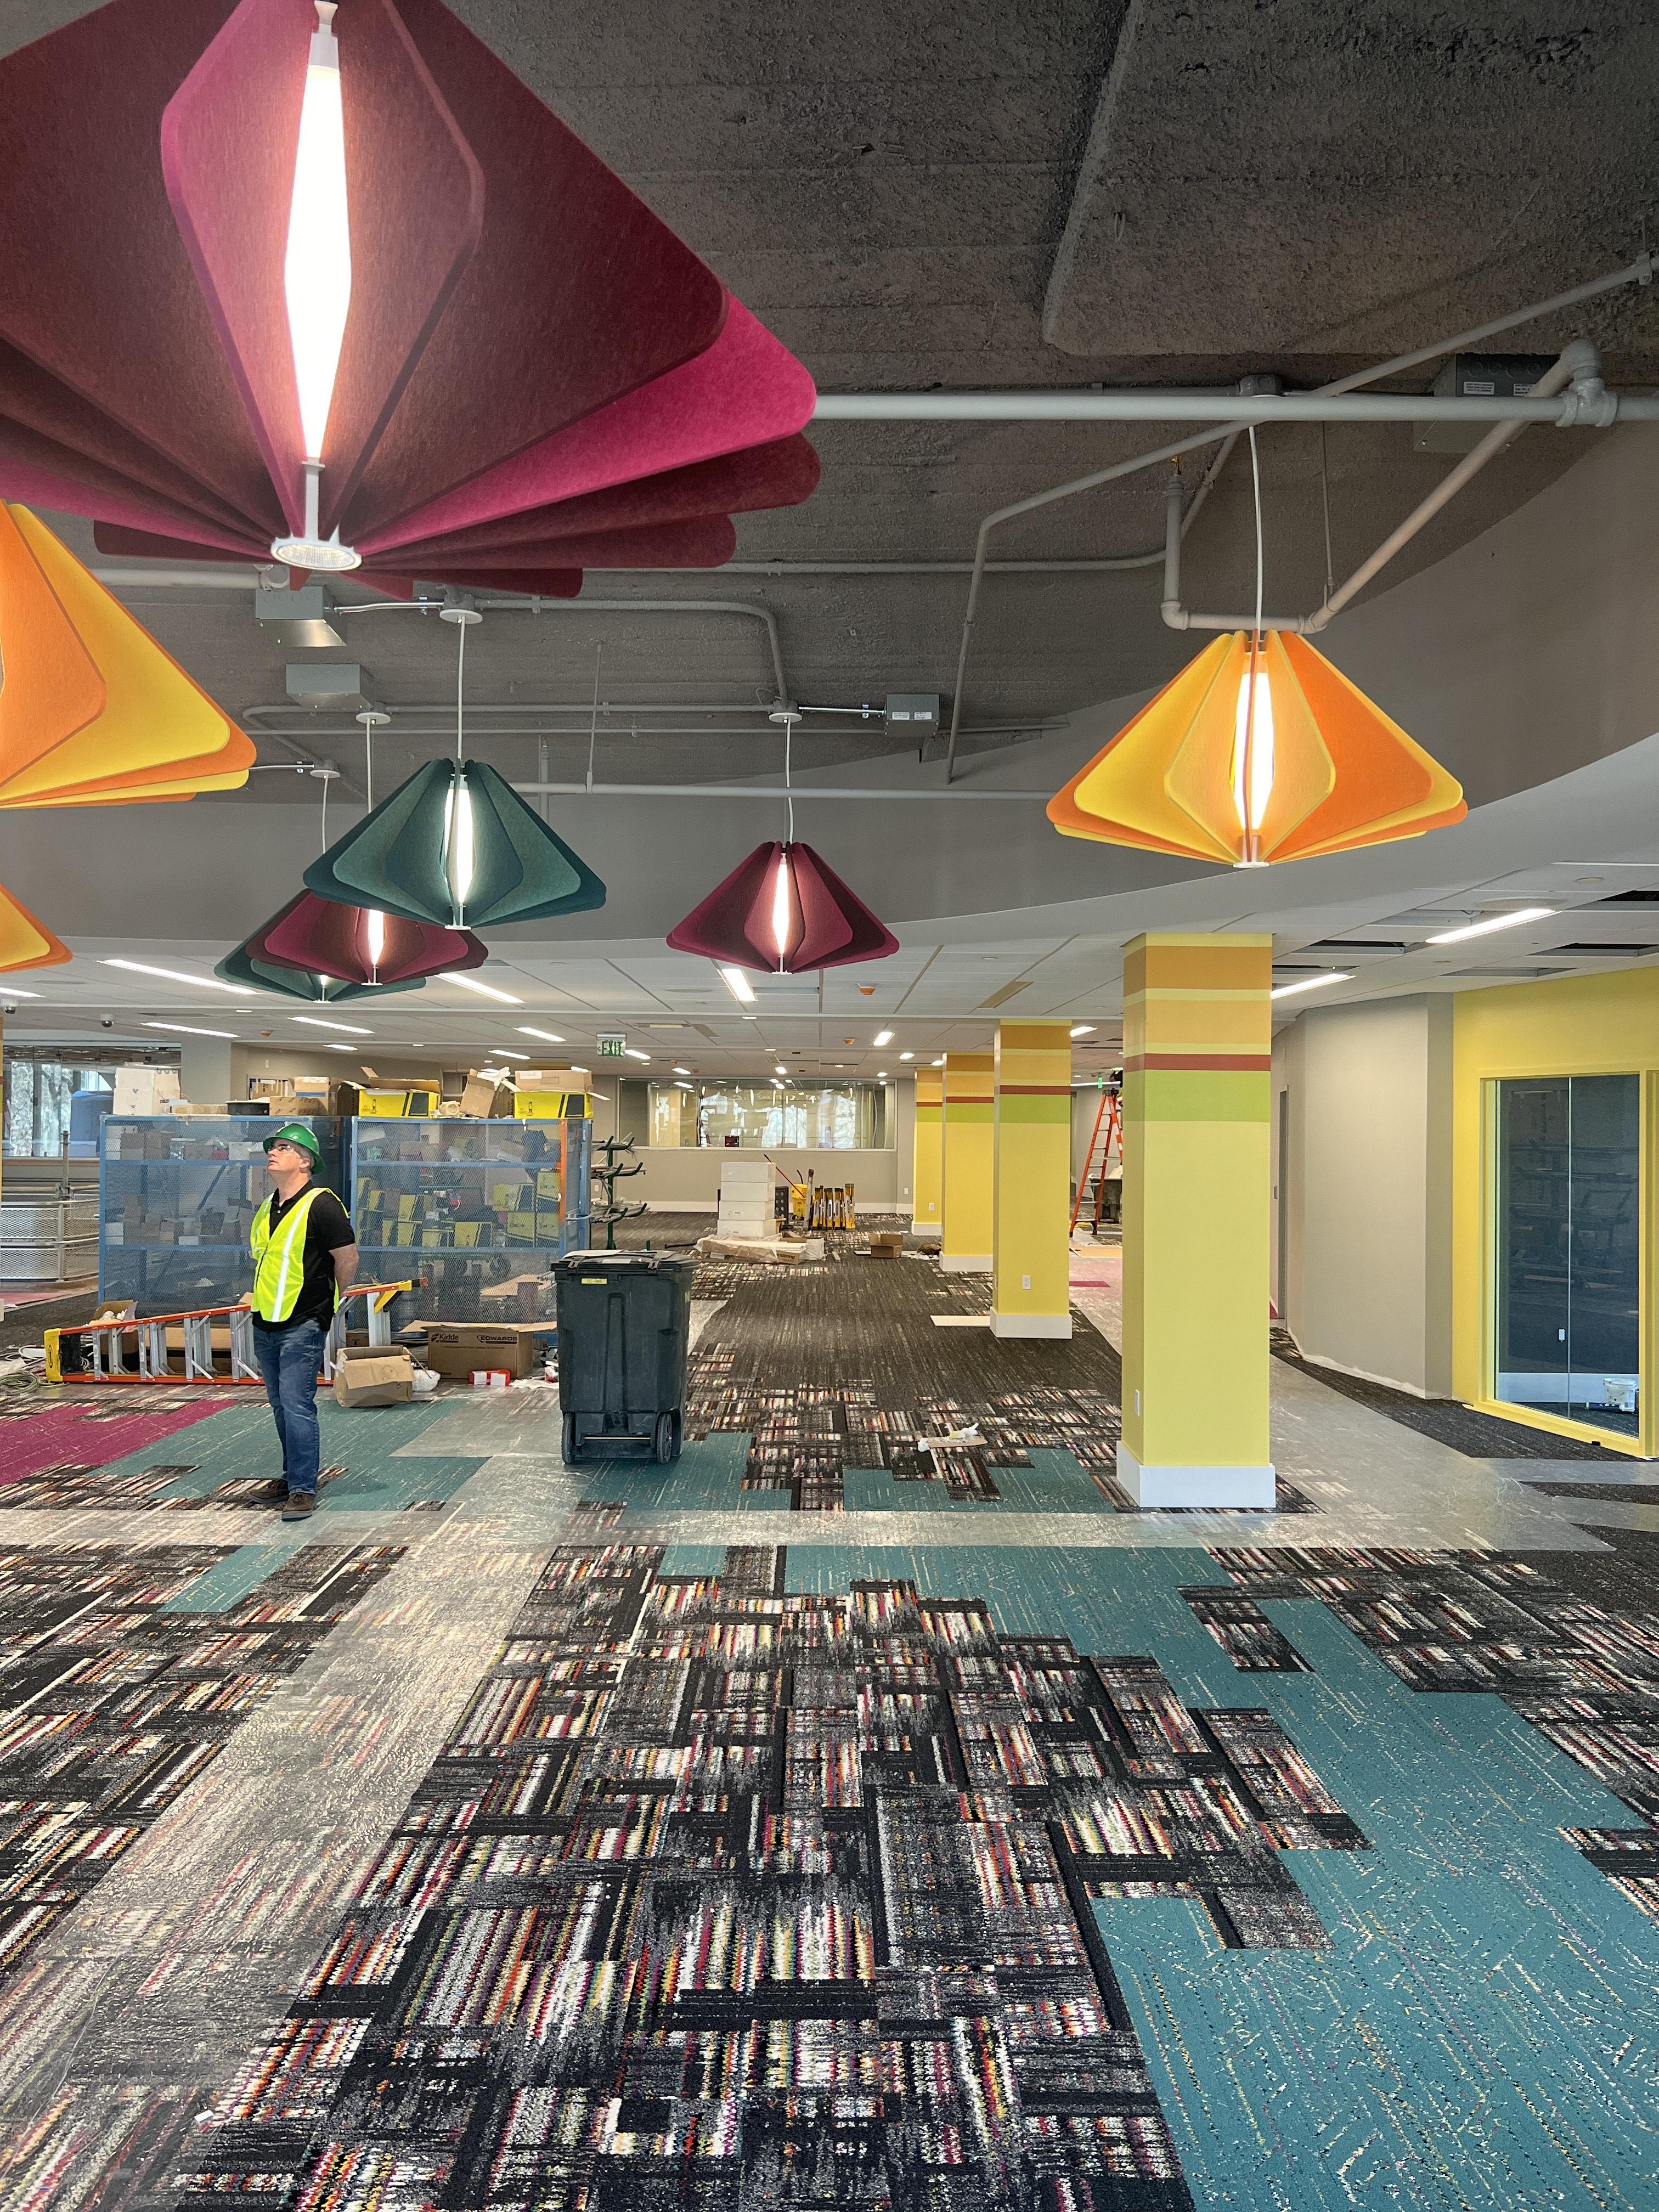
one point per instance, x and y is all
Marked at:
(745, 1199)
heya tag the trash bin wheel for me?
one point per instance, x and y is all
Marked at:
(665, 1443)
(570, 1439)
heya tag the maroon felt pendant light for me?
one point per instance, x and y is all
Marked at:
(370, 302)
(361, 945)
(784, 909)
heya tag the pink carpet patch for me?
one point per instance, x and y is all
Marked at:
(77, 1434)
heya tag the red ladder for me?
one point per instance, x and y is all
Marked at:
(1109, 1112)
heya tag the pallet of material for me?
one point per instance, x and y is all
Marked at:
(783, 1251)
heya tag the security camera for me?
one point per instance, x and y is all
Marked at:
(105, 1022)
(11, 1007)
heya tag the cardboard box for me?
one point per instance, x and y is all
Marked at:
(372, 1375)
(456, 1348)
(485, 1099)
(886, 1243)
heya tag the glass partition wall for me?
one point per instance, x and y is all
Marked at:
(1568, 1256)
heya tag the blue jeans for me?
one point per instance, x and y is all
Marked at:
(290, 1359)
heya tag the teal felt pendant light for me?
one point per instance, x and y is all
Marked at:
(456, 845)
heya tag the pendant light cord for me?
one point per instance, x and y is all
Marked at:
(460, 685)
(789, 733)
(1252, 832)
(326, 780)
(1325, 496)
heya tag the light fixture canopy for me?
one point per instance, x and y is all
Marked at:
(785, 911)
(456, 845)
(1258, 751)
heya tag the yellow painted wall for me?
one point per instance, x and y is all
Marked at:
(1031, 1246)
(969, 1154)
(927, 1181)
(1582, 1025)
(1197, 1055)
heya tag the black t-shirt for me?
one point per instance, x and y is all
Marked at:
(327, 1228)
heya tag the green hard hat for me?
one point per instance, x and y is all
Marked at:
(295, 1132)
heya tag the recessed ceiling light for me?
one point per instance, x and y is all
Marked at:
(322, 1022)
(682, 1071)
(184, 1029)
(939, 1062)
(547, 1037)
(175, 975)
(12, 992)
(738, 985)
(633, 1052)
(1513, 920)
(484, 990)
(1311, 983)
(780, 1069)
(882, 1037)
(1083, 1029)
(881, 1075)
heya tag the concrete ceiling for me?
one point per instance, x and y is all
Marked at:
(958, 196)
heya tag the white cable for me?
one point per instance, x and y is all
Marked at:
(460, 685)
(1255, 479)
(789, 733)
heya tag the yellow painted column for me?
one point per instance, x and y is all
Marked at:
(927, 1181)
(1197, 1061)
(969, 1153)
(1032, 1180)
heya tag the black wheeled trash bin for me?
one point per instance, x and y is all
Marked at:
(624, 1327)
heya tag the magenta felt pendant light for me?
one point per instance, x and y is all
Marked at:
(494, 366)
(785, 911)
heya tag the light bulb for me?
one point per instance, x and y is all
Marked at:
(1251, 807)
(317, 269)
(376, 934)
(781, 908)
(458, 844)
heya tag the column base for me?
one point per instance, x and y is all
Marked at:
(1222, 1489)
(1030, 1324)
(926, 1229)
(966, 1263)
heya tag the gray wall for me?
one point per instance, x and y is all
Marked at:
(1363, 1094)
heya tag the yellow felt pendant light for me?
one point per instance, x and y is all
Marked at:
(1259, 751)
(24, 942)
(92, 711)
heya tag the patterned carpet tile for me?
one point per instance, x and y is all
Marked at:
(723, 1897)
(114, 1702)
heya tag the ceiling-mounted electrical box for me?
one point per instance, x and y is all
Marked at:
(326, 683)
(297, 619)
(914, 714)
(1477, 376)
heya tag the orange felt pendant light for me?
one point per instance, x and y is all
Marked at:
(92, 712)
(1259, 751)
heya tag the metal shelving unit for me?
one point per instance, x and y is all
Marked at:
(176, 1199)
(479, 1209)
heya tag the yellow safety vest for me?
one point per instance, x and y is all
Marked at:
(279, 1261)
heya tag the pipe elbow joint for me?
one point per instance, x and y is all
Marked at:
(1175, 617)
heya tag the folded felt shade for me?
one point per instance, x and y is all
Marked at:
(1258, 751)
(24, 942)
(536, 349)
(309, 984)
(361, 945)
(457, 846)
(92, 712)
(785, 910)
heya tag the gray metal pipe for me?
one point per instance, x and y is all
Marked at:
(582, 606)
(1578, 363)
(1084, 406)
(1640, 271)
(775, 792)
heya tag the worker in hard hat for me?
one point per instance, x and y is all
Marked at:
(305, 1254)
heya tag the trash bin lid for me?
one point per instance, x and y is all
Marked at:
(622, 1263)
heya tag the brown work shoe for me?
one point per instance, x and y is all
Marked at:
(301, 1504)
(272, 1493)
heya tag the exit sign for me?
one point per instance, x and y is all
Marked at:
(612, 1048)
